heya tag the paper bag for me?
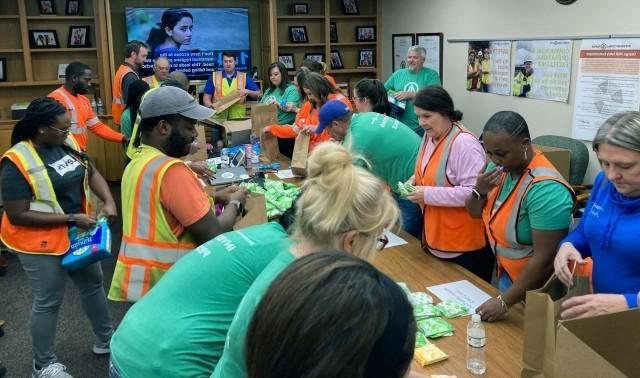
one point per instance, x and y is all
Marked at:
(227, 101)
(599, 346)
(201, 145)
(300, 155)
(541, 315)
(263, 115)
(256, 212)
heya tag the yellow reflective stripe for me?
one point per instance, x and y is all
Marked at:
(146, 198)
(152, 254)
(136, 282)
(38, 176)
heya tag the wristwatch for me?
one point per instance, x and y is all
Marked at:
(238, 206)
(71, 220)
(477, 194)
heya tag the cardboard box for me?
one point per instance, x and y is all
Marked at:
(237, 131)
(227, 101)
(599, 346)
(559, 157)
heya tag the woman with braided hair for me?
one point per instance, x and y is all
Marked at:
(45, 185)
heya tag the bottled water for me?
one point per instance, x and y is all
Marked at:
(476, 340)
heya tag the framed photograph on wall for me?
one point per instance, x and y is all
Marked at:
(432, 42)
(287, 60)
(3, 69)
(336, 60)
(72, 8)
(366, 58)
(47, 7)
(333, 32)
(350, 7)
(78, 36)
(366, 33)
(316, 57)
(43, 39)
(298, 34)
(300, 8)
(400, 44)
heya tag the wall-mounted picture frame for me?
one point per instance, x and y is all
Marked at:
(43, 39)
(300, 8)
(288, 61)
(316, 57)
(350, 7)
(72, 8)
(79, 36)
(400, 44)
(336, 60)
(433, 43)
(366, 58)
(3, 69)
(333, 32)
(366, 33)
(298, 34)
(47, 7)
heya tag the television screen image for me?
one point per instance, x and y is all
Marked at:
(193, 39)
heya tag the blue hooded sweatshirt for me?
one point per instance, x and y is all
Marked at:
(609, 232)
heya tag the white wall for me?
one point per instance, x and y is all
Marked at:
(500, 19)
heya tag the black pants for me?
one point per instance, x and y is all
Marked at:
(480, 262)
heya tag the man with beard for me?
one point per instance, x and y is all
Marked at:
(135, 54)
(406, 82)
(165, 211)
(70, 95)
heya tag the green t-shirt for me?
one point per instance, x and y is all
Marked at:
(178, 329)
(547, 206)
(232, 363)
(404, 80)
(290, 94)
(126, 125)
(390, 147)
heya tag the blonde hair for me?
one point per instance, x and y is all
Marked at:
(339, 197)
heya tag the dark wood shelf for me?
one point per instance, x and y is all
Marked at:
(58, 18)
(63, 49)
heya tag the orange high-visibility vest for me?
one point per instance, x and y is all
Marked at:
(216, 77)
(501, 224)
(446, 229)
(118, 105)
(149, 247)
(80, 112)
(50, 240)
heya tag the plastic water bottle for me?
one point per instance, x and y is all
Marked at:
(255, 149)
(94, 105)
(476, 340)
(248, 155)
(100, 106)
(224, 158)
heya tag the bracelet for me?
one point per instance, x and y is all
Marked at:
(505, 308)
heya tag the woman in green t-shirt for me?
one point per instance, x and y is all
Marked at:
(282, 93)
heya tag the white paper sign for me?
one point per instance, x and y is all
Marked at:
(461, 291)
(285, 174)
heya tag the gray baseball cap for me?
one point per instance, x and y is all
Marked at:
(172, 100)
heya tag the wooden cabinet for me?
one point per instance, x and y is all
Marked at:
(318, 24)
(32, 71)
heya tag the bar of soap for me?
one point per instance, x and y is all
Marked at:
(429, 354)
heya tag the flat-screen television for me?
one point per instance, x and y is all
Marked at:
(193, 39)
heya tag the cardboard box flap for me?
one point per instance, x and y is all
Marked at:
(559, 157)
(227, 101)
(238, 124)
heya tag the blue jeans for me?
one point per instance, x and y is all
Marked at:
(410, 216)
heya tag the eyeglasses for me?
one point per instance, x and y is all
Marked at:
(64, 132)
(382, 242)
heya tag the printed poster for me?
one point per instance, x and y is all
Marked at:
(542, 70)
(608, 83)
(489, 67)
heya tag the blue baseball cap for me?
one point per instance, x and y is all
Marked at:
(330, 111)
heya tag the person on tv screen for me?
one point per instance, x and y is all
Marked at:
(174, 31)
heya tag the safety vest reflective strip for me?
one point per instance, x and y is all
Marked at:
(75, 127)
(152, 81)
(240, 79)
(441, 172)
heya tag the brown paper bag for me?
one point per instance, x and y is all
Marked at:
(541, 315)
(599, 346)
(263, 115)
(227, 101)
(300, 155)
(256, 212)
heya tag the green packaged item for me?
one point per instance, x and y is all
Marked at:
(427, 310)
(452, 309)
(405, 188)
(404, 287)
(420, 298)
(278, 195)
(435, 327)
(421, 340)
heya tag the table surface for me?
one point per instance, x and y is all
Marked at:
(410, 264)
